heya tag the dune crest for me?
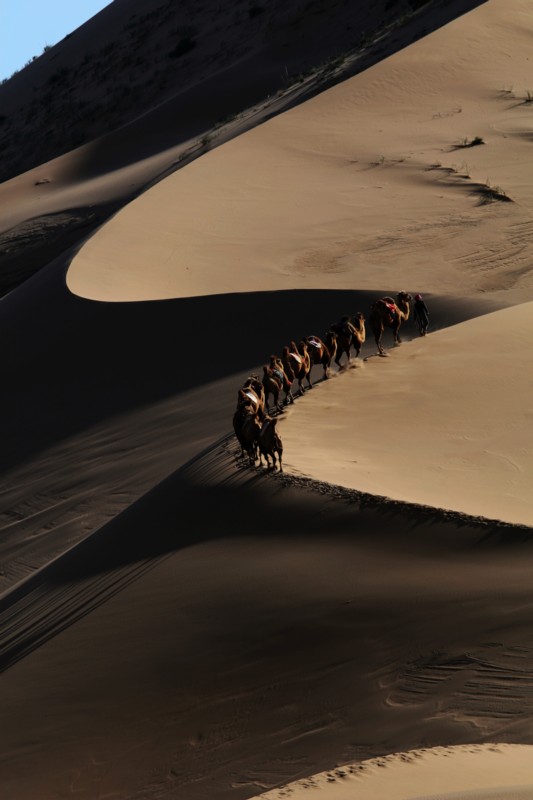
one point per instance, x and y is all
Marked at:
(175, 623)
(463, 772)
(446, 424)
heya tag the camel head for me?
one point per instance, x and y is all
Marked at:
(403, 299)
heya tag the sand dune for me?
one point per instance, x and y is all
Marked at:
(178, 624)
(317, 196)
(426, 425)
(424, 774)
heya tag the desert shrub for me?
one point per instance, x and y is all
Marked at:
(471, 142)
(490, 192)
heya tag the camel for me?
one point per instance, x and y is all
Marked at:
(351, 332)
(318, 353)
(252, 392)
(301, 363)
(276, 366)
(247, 427)
(331, 342)
(270, 443)
(272, 384)
(389, 313)
(288, 365)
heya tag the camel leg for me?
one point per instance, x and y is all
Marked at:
(339, 356)
(396, 332)
(277, 403)
(287, 388)
(378, 333)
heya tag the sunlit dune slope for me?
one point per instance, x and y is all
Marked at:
(373, 182)
(445, 420)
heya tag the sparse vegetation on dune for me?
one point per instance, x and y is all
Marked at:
(166, 50)
(477, 140)
(490, 192)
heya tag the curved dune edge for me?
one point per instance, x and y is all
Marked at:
(442, 422)
(301, 199)
(463, 772)
(367, 500)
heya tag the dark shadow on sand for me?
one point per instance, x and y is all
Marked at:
(215, 496)
(69, 363)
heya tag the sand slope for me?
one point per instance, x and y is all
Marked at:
(367, 184)
(177, 624)
(444, 421)
(427, 775)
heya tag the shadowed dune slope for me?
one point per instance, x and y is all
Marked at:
(95, 418)
(175, 624)
(219, 586)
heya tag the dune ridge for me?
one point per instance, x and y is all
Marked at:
(174, 623)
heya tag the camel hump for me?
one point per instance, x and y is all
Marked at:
(251, 394)
(390, 304)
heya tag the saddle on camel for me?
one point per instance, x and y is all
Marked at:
(273, 384)
(389, 313)
(301, 363)
(351, 332)
(278, 369)
(252, 393)
(319, 353)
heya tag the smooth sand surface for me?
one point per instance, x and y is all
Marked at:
(433, 431)
(365, 185)
(176, 623)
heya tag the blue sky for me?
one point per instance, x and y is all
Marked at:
(27, 26)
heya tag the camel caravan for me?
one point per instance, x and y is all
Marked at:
(260, 399)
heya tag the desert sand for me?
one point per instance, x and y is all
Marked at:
(177, 623)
